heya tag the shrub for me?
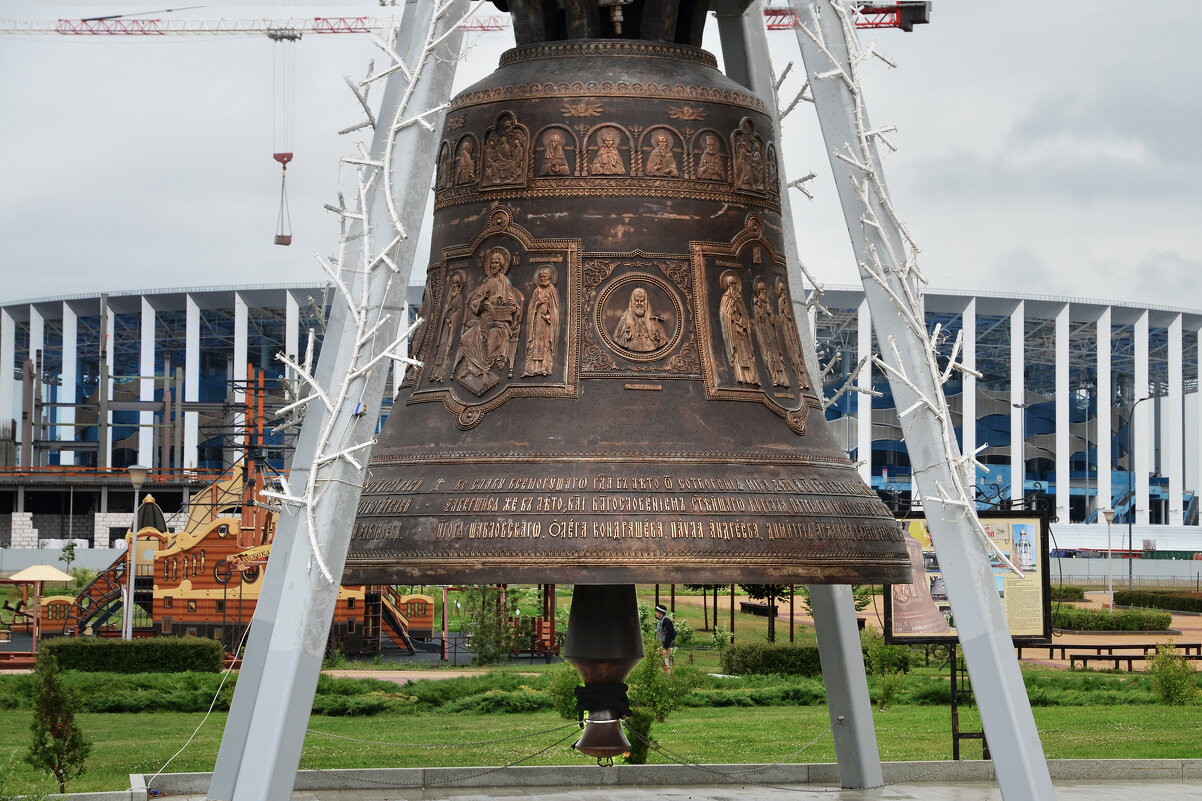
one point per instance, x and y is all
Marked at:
(763, 658)
(562, 688)
(491, 636)
(888, 687)
(1067, 592)
(1072, 618)
(58, 746)
(148, 655)
(881, 659)
(935, 691)
(517, 701)
(722, 638)
(684, 632)
(1151, 599)
(653, 695)
(1174, 679)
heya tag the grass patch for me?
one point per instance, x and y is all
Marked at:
(140, 743)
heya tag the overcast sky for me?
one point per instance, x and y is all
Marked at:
(1043, 147)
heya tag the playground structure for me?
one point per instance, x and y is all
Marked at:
(204, 581)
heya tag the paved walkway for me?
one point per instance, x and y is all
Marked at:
(969, 791)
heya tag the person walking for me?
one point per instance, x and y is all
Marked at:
(665, 632)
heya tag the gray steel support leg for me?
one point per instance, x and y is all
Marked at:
(893, 290)
(265, 731)
(745, 57)
(847, 697)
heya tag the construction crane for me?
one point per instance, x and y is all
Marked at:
(290, 29)
(904, 14)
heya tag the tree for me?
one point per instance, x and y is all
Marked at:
(58, 745)
(68, 554)
(861, 594)
(705, 589)
(770, 593)
(653, 694)
(493, 633)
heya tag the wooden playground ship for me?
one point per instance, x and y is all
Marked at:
(205, 579)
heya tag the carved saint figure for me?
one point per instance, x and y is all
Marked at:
(639, 329)
(505, 152)
(465, 169)
(442, 174)
(542, 325)
(766, 334)
(554, 162)
(490, 333)
(736, 329)
(609, 160)
(749, 158)
(789, 336)
(661, 163)
(452, 316)
(709, 166)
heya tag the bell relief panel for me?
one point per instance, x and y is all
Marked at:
(751, 346)
(503, 322)
(637, 317)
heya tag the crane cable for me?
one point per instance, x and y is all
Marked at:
(283, 93)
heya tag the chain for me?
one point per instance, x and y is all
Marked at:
(446, 746)
(682, 761)
(785, 759)
(454, 779)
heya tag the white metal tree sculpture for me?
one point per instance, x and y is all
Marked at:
(888, 266)
(366, 334)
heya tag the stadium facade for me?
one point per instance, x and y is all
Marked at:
(1085, 404)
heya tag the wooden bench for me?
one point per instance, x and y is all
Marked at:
(6, 635)
(1108, 648)
(1118, 659)
(757, 608)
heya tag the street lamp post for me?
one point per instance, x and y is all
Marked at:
(1131, 485)
(1109, 515)
(137, 477)
(1022, 454)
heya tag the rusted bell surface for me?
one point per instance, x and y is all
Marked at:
(613, 388)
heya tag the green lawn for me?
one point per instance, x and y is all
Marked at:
(141, 743)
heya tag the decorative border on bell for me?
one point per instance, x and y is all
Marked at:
(423, 561)
(624, 457)
(603, 187)
(608, 47)
(659, 91)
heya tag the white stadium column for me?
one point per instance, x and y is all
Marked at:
(37, 342)
(1140, 429)
(66, 392)
(1018, 402)
(146, 367)
(191, 381)
(863, 399)
(291, 330)
(1105, 404)
(1172, 434)
(968, 417)
(241, 333)
(1064, 391)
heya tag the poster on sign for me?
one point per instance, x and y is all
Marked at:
(921, 612)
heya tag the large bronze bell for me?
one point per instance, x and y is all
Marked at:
(613, 388)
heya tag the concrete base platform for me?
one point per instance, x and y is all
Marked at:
(1095, 780)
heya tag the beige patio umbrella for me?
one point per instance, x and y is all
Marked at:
(35, 575)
